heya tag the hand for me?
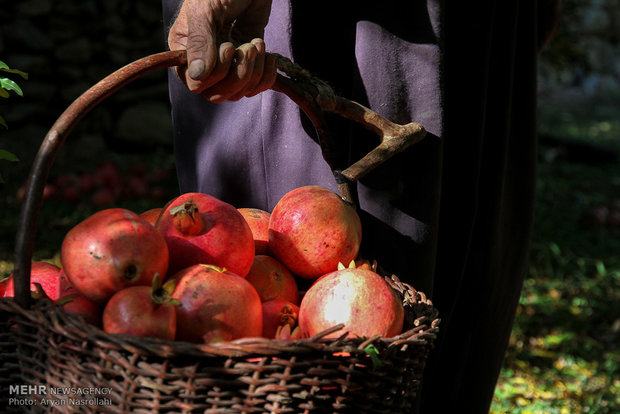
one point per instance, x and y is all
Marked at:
(215, 67)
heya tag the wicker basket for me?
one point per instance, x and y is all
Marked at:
(54, 362)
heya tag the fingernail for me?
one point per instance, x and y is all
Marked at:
(228, 55)
(196, 69)
(259, 44)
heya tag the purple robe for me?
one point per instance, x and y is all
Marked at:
(452, 215)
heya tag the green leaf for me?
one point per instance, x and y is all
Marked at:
(4, 93)
(5, 68)
(3, 123)
(9, 156)
(373, 353)
(17, 72)
(555, 249)
(10, 85)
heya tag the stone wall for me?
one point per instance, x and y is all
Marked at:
(66, 46)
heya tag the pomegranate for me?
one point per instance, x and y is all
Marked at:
(111, 250)
(86, 183)
(200, 229)
(70, 194)
(135, 186)
(358, 298)
(613, 221)
(108, 175)
(272, 280)
(49, 191)
(75, 303)
(103, 197)
(65, 180)
(280, 319)
(258, 220)
(147, 311)
(48, 275)
(312, 229)
(157, 193)
(367, 264)
(216, 305)
(151, 215)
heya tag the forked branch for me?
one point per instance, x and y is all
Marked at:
(312, 95)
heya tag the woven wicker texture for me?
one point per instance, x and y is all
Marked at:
(43, 346)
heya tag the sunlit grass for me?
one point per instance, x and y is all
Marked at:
(592, 119)
(563, 355)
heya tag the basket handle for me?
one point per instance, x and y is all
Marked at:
(311, 94)
(315, 97)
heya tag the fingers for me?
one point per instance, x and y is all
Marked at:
(222, 67)
(251, 72)
(238, 76)
(257, 71)
(219, 71)
(268, 76)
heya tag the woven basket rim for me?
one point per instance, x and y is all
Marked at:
(423, 330)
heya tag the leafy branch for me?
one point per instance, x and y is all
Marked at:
(6, 86)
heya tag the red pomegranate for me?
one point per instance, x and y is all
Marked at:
(111, 250)
(200, 229)
(216, 305)
(258, 220)
(103, 197)
(366, 264)
(107, 175)
(358, 298)
(147, 311)
(74, 303)
(312, 229)
(48, 275)
(280, 314)
(151, 215)
(272, 280)
(86, 183)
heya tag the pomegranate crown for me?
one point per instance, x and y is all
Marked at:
(187, 218)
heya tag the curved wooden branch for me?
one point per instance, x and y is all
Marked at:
(49, 148)
(394, 138)
(313, 97)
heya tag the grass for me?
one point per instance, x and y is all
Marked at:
(593, 119)
(563, 355)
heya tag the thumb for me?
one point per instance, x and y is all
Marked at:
(202, 50)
